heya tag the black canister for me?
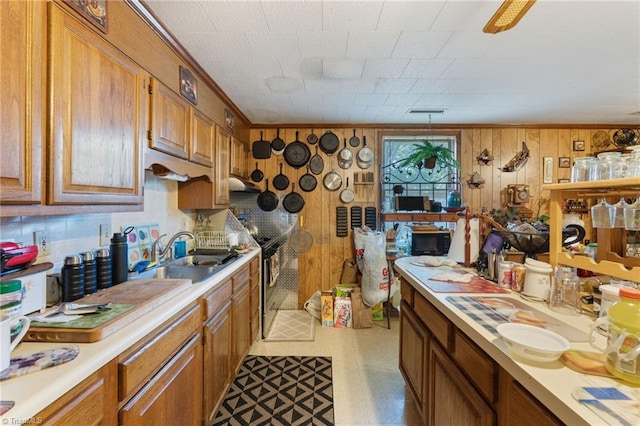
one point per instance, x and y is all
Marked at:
(119, 258)
(103, 264)
(72, 278)
(90, 272)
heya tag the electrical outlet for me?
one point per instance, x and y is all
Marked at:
(105, 234)
(41, 239)
(183, 223)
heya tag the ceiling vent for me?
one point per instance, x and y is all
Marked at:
(426, 111)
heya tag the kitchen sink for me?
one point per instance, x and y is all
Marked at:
(197, 268)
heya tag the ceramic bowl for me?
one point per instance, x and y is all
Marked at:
(533, 343)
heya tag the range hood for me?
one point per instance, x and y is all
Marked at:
(237, 184)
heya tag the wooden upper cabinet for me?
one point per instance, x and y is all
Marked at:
(22, 41)
(97, 105)
(203, 134)
(238, 158)
(170, 121)
(221, 172)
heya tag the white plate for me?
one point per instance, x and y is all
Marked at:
(534, 343)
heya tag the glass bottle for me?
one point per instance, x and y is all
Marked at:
(610, 166)
(633, 162)
(619, 213)
(603, 214)
(632, 216)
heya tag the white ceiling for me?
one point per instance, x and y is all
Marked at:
(372, 61)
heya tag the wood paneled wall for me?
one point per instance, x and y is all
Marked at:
(320, 267)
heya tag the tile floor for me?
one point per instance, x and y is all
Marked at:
(368, 388)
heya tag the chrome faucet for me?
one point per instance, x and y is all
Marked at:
(157, 253)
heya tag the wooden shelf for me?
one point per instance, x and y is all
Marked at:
(604, 267)
(599, 187)
(419, 217)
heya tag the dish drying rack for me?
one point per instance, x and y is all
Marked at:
(212, 240)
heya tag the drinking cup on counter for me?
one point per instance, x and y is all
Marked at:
(565, 295)
(7, 343)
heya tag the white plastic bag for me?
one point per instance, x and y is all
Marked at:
(360, 241)
(375, 278)
(313, 305)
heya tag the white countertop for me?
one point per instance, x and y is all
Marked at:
(33, 392)
(551, 383)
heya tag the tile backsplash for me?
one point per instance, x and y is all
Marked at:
(72, 234)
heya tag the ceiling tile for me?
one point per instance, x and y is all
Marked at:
(416, 45)
(370, 44)
(384, 68)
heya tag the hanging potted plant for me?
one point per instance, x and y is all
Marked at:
(427, 154)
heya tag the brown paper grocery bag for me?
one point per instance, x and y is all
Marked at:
(362, 316)
(349, 272)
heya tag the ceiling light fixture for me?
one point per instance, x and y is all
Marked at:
(507, 15)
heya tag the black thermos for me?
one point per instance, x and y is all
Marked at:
(90, 272)
(103, 262)
(119, 258)
(72, 278)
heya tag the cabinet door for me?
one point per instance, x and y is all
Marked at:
(96, 127)
(221, 184)
(172, 395)
(238, 165)
(518, 407)
(452, 399)
(202, 138)
(217, 362)
(170, 121)
(93, 402)
(414, 352)
(21, 111)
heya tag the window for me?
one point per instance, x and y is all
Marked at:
(415, 181)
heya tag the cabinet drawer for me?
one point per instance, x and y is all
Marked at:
(255, 281)
(482, 371)
(437, 323)
(240, 280)
(216, 299)
(406, 291)
(254, 265)
(136, 366)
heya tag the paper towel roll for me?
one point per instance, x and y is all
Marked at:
(456, 250)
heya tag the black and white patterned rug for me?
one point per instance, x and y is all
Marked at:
(280, 390)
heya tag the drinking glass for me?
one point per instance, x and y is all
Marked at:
(603, 214)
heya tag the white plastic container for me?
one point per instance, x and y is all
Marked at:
(610, 294)
(537, 280)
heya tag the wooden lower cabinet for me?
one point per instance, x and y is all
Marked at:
(518, 407)
(217, 363)
(92, 402)
(414, 353)
(452, 398)
(458, 384)
(241, 323)
(172, 396)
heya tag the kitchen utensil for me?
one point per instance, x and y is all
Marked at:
(345, 157)
(297, 153)
(329, 142)
(316, 163)
(356, 217)
(312, 138)
(301, 240)
(365, 155)
(257, 174)
(533, 343)
(13, 257)
(267, 200)
(332, 180)
(354, 141)
(370, 217)
(277, 145)
(346, 196)
(281, 181)
(293, 202)
(261, 149)
(342, 229)
(307, 181)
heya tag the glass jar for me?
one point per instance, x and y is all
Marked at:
(633, 162)
(609, 166)
(619, 207)
(454, 199)
(603, 214)
(632, 216)
(580, 172)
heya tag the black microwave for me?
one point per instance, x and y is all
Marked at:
(431, 243)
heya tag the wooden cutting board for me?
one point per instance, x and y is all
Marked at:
(144, 294)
